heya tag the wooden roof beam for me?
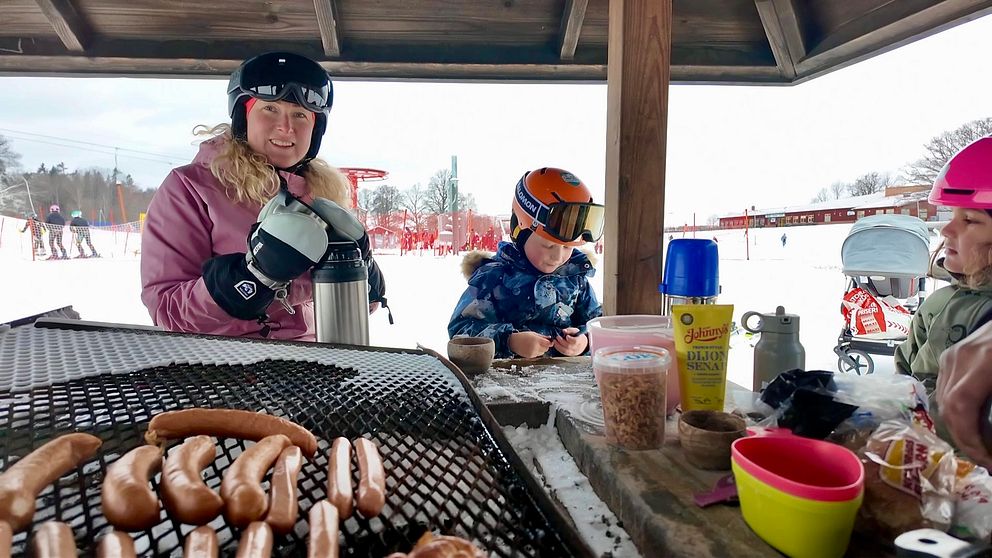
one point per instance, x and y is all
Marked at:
(884, 29)
(571, 26)
(785, 36)
(70, 28)
(327, 21)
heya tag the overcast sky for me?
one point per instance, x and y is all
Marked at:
(742, 146)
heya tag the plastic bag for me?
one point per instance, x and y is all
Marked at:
(804, 402)
(973, 508)
(874, 317)
(910, 477)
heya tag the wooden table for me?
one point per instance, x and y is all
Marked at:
(651, 492)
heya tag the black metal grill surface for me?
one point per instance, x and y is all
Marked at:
(444, 472)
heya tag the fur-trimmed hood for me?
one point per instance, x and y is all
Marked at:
(476, 258)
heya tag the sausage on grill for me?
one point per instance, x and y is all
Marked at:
(116, 545)
(372, 478)
(201, 543)
(127, 499)
(53, 539)
(256, 541)
(244, 498)
(227, 423)
(283, 503)
(185, 495)
(21, 483)
(339, 486)
(323, 541)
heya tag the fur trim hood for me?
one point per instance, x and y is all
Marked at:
(476, 258)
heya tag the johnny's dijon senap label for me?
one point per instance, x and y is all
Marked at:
(702, 340)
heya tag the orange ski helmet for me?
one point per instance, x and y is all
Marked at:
(557, 206)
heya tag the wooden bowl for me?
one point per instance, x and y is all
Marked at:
(706, 437)
(472, 355)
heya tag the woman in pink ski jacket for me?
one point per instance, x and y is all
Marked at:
(210, 263)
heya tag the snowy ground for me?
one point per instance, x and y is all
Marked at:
(804, 276)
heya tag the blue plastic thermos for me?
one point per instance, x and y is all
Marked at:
(692, 273)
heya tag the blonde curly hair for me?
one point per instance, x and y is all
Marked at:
(249, 178)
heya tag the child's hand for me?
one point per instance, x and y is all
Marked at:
(570, 344)
(528, 344)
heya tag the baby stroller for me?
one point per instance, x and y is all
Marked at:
(885, 259)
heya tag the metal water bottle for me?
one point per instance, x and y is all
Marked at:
(341, 296)
(779, 349)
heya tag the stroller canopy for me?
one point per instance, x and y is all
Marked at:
(887, 245)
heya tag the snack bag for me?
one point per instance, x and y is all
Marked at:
(875, 318)
(910, 475)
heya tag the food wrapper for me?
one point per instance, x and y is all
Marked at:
(973, 509)
(910, 478)
(874, 317)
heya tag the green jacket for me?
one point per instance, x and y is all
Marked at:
(949, 315)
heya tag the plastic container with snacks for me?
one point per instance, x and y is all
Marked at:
(632, 386)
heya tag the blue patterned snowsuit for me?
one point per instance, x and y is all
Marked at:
(506, 294)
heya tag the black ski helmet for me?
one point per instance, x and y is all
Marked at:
(275, 76)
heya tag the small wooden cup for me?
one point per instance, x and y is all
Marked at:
(706, 436)
(472, 355)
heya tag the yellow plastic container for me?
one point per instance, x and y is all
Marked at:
(800, 495)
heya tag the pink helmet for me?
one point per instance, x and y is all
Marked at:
(55, 208)
(966, 179)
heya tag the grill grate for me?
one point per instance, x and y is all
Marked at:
(445, 472)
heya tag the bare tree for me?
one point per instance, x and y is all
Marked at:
(821, 196)
(385, 202)
(713, 220)
(941, 148)
(439, 192)
(9, 159)
(13, 194)
(466, 202)
(869, 183)
(414, 201)
(837, 189)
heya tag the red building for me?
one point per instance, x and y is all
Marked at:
(906, 200)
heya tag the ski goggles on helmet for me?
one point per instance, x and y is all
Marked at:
(279, 76)
(564, 221)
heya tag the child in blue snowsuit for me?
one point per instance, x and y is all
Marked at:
(533, 296)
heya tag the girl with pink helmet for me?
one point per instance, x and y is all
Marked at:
(955, 311)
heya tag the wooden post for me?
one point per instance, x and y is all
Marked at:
(640, 45)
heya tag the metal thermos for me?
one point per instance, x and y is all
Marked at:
(778, 350)
(341, 296)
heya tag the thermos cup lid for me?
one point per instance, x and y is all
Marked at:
(692, 268)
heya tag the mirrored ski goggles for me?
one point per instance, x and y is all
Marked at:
(312, 99)
(565, 221)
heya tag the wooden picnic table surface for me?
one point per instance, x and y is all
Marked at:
(652, 491)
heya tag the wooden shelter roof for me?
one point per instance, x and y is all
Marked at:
(723, 41)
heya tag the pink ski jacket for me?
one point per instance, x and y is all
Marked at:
(190, 220)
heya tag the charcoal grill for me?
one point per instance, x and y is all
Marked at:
(449, 468)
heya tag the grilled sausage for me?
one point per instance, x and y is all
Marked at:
(201, 543)
(442, 546)
(6, 537)
(227, 423)
(256, 541)
(116, 545)
(53, 539)
(323, 540)
(339, 488)
(128, 501)
(241, 488)
(283, 503)
(185, 495)
(21, 483)
(372, 478)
